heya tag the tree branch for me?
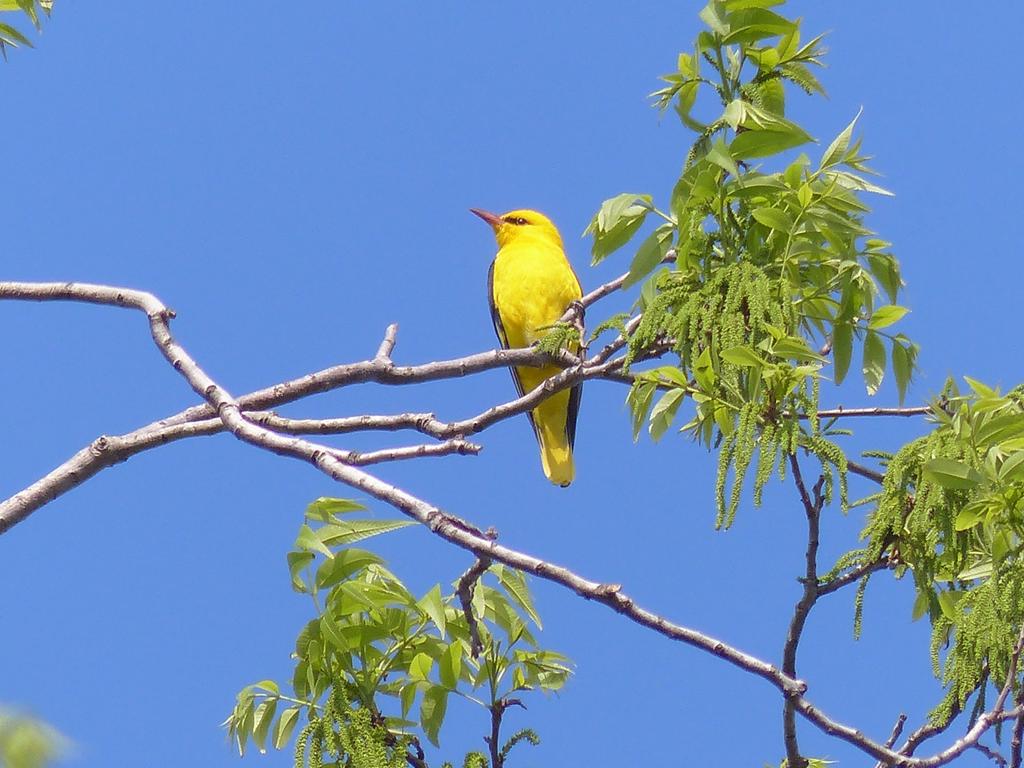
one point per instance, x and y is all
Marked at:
(870, 474)
(841, 412)
(828, 587)
(991, 754)
(366, 458)
(466, 585)
(1018, 732)
(231, 412)
(812, 510)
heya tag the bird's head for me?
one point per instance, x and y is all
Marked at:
(519, 224)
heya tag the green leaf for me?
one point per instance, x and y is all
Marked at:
(284, 727)
(795, 348)
(837, 149)
(343, 565)
(350, 531)
(329, 630)
(773, 218)
(885, 316)
(874, 362)
(664, 412)
(719, 155)
(408, 696)
(433, 605)
(742, 356)
(902, 367)
(921, 605)
(449, 666)
(740, 5)
(970, 515)
(432, 711)
(297, 561)
(12, 36)
(983, 391)
(793, 175)
(420, 666)
(733, 114)
(1013, 468)
(616, 222)
(650, 254)
(714, 16)
(980, 571)
(948, 603)
(763, 143)
(617, 208)
(952, 474)
(325, 508)
(639, 399)
(704, 372)
(755, 23)
(262, 719)
(308, 540)
(514, 582)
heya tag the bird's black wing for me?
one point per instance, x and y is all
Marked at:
(575, 394)
(503, 338)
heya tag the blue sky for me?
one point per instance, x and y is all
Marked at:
(292, 183)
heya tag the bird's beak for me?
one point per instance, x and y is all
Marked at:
(491, 218)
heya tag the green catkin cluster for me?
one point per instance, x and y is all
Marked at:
(559, 336)
(731, 308)
(984, 623)
(831, 455)
(768, 449)
(615, 322)
(351, 734)
(975, 622)
(919, 515)
(739, 305)
(743, 443)
(858, 606)
(524, 734)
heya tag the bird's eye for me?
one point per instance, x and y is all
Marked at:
(519, 221)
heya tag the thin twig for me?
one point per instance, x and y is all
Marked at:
(465, 588)
(930, 730)
(897, 729)
(841, 412)
(812, 510)
(828, 587)
(387, 345)
(991, 754)
(870, 474)
(366, 458)
(1018, 734)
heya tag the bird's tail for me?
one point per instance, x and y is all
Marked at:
(555, 452)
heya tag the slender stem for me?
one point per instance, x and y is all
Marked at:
(466, 586)
(494, 740)
(828, 587)
(1018, 735)
(812, 510)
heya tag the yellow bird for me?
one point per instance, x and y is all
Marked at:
(529, 287)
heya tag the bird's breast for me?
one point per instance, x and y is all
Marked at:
(533, 285)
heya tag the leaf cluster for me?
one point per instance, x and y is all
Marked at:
(9, 35)
(951, 511)
(378, 664)
(26, 742)
(770, 265)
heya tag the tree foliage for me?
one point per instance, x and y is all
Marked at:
(35, 10)
(758, 283)
(376, 666)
